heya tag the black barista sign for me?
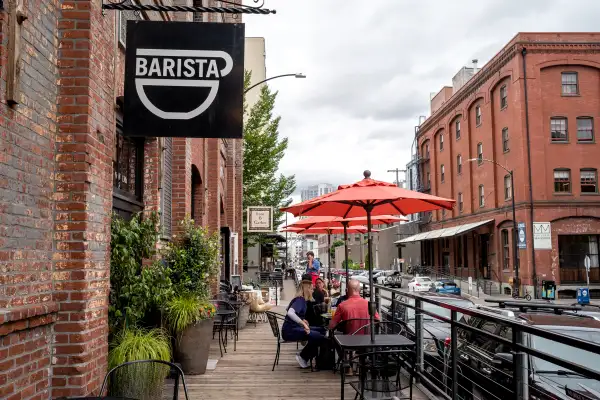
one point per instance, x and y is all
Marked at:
(184, 79)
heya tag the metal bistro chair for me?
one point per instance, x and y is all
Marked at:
(274, 319)
(384, 363)
(226, 325)
(144, 379)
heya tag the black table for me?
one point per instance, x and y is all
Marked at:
(363, 342)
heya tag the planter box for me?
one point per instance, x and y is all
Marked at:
(193, 347)
(244, 313)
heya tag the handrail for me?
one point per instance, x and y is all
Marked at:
(516, 326)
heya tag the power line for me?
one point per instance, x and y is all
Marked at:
(397, 171)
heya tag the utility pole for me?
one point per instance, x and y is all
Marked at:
(397, 171)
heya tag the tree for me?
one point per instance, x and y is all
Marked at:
(263, 150)
(335, 244)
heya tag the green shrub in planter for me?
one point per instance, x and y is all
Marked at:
(187, 310)
(143, 380)
(193, 259)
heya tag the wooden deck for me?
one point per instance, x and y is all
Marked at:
(246, 373)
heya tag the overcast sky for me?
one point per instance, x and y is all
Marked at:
(371, 66)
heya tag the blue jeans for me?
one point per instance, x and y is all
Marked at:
(314, 339)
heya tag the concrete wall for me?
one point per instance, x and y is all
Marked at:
(255, 62)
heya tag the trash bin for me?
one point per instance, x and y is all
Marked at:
(549, 290)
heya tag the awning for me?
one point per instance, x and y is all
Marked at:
(444, 232)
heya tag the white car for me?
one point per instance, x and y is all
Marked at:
(420, 284)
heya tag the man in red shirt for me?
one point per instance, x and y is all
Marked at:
(352, 308)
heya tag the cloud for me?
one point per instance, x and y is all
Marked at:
(371, 67)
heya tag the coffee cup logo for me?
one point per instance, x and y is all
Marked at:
(180, 68)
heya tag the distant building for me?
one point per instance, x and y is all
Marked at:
(313, 191)
(544, 132)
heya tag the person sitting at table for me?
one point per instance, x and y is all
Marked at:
(354, 307)
(296, 327)
(318, 306)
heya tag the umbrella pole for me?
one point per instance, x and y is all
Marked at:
(370, 259)
(345, 223)
(328, 276)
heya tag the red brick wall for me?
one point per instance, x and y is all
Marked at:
(27, 141)
(544, 65)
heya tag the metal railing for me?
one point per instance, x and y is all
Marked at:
(454, 382)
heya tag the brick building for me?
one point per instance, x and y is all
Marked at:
(64, 168)
(544, 132)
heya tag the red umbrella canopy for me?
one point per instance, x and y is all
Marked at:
(334, 222)
(382, 198)
(328, 231)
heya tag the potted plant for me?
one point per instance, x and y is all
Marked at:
(191, 320)
(139, 380)
(193, 260)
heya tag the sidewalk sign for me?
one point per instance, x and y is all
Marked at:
(583, 296)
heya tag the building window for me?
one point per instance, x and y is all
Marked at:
(478, 115)
(166, 193)
(128, 174)
(427, 150)
(457, 128)
(443, 213)
(562, 181)
(503, 97)
(479, 153)
(505, 147)
(459, 164)
(585, 129)
(589, 181)
(428, 180)
(558, 129)
(507, 187)
(481, 196)
(441, 141)
(505, 250)
(460, 202)
(442, 172)
(569, 83)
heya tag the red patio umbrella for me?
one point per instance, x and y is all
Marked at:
(370, 197)
(321, 221)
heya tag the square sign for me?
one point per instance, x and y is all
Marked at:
(260, 219)
(184, 79)
(542, 236)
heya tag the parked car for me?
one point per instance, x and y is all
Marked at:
(486, 365)
(447, 286)
(419, 284)
(394, 280)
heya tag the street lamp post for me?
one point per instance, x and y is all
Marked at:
(514, 217)
(298, 76)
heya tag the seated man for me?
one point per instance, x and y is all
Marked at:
(354, 307)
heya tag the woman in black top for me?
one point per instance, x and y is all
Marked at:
(319, 304)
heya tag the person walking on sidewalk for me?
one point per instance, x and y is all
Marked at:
(313, 268)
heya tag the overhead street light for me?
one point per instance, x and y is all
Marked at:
(297, 76)
(514, 217)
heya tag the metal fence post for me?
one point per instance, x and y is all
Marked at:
(454, 353)
(419, 334)
(520, 367)
(378, 301)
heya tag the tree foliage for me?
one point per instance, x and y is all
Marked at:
(335, 244)
(263, 151)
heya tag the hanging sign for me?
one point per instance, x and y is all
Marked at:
(522, 242)
(260, 219)
(184, 79)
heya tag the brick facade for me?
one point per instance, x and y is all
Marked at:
(57, 148)
(547, 57)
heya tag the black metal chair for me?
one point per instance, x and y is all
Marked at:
(375, 370)
(274, 319)
(342, 327)
(225, 324)
(144, 379)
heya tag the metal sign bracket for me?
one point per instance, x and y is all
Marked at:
(232, 8)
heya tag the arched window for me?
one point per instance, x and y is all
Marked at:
(507, 187)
